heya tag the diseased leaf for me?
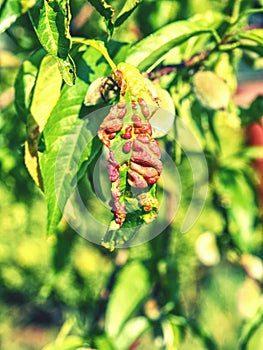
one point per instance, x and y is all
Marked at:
(25, 83)
(126, 11)
(11, 10)
(130, 290)
(47, 90)
(50, 20)
(134, 160)
(152, 49)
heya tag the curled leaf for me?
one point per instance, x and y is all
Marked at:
(134, 162)
(101, 90)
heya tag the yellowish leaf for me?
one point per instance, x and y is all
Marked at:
(47, 90)
(32, 164)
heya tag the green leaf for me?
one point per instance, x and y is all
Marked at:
(103, 8)
(248, 12)
(226, 70)
(64, 340)
(32, 165)
(11, 10)
(67, 70)
(152, 49)
(37, 91)
(63, 117)
(234, 188)
(253, 113)
(249, 153)
(103, 343)
(250, 41)
(50, 20)
(71, 342)
(200, 333)
(47, 90)
(25, 83)
(258, 49)
(211, 90)
(77, 146)
(163, 119)
(250, 328)
(64, 124)
(126, 11)
(27, 4)
(255, 35)
(130, 290)
(131, 331)
(106, 11)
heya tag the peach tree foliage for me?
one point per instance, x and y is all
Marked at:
(68, 77)
(52, 98)
(53, 103)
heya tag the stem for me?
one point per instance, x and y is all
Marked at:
(191, 62)
(202, 335)
(98, 45)
(250, 328)
(245, 14)
(236, 11)
(214, 34)
(229, 46)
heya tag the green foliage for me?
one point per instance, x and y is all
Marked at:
(253, 113)
(11, 10)
(131, 288)
(25, 83)
(126, 11)
(51, 23)
(103, 8)
(151, 51)
(170, 292)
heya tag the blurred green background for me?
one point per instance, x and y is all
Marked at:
(48, 283)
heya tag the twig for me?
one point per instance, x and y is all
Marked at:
(193, 61)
